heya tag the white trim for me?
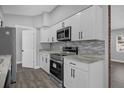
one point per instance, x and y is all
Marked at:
(24, 27)
(18, 62)
(28, 28)
(116, 60)
(36, 67)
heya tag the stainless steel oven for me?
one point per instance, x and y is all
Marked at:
(64, 34)
(57, 63)
(56, 67)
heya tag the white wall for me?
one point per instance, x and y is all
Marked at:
(37, 21)
(116, 56)
(63, 11)
(117, 16)
(1, 14)
(19, 45)
(118, 29)
(13, 20)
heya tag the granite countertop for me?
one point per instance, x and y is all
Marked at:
(79, 58)
(4, 66)
(85, 58)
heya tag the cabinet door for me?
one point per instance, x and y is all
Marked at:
(56, 27)
(68, 82)
(42, 61)
(50, 33)
(53, 33)
(74, 22)
(91, 23)
(44, 35)
(80, 78)
(47, 63)
(87, 26)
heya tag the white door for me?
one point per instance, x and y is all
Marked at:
(28, 48)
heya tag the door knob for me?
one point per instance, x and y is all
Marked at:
(22, 50)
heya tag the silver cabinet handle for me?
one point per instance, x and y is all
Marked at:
(71, 72)
(46, 60)
(52, 39)
(79, 35)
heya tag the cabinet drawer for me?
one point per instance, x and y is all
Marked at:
(78, 65)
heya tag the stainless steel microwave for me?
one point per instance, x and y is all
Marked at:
(64, 34)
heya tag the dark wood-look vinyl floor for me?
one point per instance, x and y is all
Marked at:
(32, 78)
(117, 75)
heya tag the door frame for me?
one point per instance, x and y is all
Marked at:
(26, 28)
(109, 44)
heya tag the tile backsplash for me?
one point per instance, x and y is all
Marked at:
(85, 47)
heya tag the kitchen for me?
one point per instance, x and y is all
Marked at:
(58, 45)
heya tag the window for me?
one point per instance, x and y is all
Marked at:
(120, 43)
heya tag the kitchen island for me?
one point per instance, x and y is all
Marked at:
(5, 66)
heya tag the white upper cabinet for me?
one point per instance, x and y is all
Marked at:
(91, 23)
(74, 22)
(44, 35)
(53, 32)
(85, 25)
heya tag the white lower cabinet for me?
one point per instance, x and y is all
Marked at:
(45, 62)
(80, 76)
(74, 77)
(83, 75)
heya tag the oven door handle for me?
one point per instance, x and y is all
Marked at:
(56, 61)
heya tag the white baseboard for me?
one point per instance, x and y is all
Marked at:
(115, 60)
(18, 62)
(36, 67)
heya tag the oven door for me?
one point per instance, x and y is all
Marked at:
(56, 69)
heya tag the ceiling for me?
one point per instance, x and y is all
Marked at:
(27, 10)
